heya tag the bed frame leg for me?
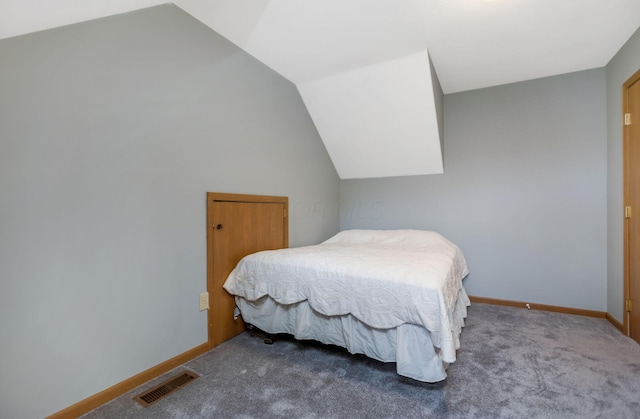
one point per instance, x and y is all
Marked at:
(266, 337)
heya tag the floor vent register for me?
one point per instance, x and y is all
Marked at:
(168, 387)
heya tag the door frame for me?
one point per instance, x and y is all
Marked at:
(626, 166)
(232, 197)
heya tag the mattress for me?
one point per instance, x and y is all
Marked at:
(382, 279)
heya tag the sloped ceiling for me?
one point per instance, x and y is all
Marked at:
(387, 112)
(336, 51)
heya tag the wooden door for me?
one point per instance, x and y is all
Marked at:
(631, 109)
(238, 225)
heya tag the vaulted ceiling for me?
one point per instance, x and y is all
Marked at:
(363, 66)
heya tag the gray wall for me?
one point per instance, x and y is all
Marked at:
(625, 63)
(111, 133)
(523, 193)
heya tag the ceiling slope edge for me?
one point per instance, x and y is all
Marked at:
(25, 17)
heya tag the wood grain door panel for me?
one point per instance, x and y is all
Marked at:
(631, 106)
(238, 226)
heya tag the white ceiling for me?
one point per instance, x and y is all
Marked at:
(387, 112)
(471, 43)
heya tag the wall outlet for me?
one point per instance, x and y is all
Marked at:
(204, 301)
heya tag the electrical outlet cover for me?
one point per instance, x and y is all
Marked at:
(204, 301)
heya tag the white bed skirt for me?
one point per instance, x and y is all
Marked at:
(408, 345)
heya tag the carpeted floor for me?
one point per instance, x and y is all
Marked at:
(513, 363)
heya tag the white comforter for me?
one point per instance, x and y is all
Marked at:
(384, 278)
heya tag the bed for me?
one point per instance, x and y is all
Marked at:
(393, 295)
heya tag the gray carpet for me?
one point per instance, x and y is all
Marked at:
(513, 363)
